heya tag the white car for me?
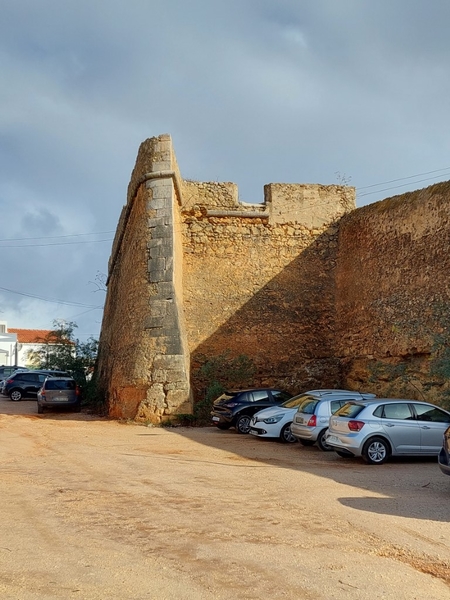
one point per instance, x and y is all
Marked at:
(275, 422)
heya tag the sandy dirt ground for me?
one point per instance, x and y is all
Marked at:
(96, 509)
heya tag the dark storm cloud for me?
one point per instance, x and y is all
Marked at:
(251, 91)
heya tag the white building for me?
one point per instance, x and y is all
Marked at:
(15, 344)
(9, 347)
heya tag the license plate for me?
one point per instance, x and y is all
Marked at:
(60, 399)
(216, 418)
(253, 432)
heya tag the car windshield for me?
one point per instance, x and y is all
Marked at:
(350, 410)
(293, 402)
(308, 405)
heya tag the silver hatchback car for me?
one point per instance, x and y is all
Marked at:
(385, 427)
(59, 392)
(310, 422)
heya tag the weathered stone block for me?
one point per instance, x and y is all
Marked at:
(157, 203)
(154, 222)
(166, 290)
(173, 376)
(157, 251)
(165, 213)
(173, 344)
(155, 395)
(161, 190)
(167, 361)
(159, 308)
(163, 165)
(176, 398)
(154, 322)
(160, 231)
(155, 276)
(184, 409)
(159, 376)
(157, 264)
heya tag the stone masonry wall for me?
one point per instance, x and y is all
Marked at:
(261, 285)
(194, 273)
(393, 295)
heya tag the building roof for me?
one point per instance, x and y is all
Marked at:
(32, 336)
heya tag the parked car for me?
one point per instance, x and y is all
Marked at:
(444, 454)
(235, 408)
(7, 371)
(57, 392)
(378, 429)
(310, 421)
(55, 373)
(25, 384)
(275, 422)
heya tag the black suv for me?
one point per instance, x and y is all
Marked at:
(236, 407)
(28, 383)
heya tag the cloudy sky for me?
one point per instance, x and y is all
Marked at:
(251, 91)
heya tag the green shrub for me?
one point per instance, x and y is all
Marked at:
(92, 398)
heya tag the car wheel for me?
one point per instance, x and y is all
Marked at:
(376, 451)
(286, 436)
(243, 424)
(40, 409)
(306, 442)
(322, 443)
(15, 395)
(223, 426)
(77, 407)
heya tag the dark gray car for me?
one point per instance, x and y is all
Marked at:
(235, 408)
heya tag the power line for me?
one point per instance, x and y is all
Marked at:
(57, 244)
(53, 301)
(403, 178)
(55, 237)
(397, 186)
(84, 312)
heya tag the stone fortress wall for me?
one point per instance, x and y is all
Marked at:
(393, 295)
(289, 283)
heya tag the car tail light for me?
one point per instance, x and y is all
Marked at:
(10, 381)
(312, 421)
(355, 425)
(77, 391)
